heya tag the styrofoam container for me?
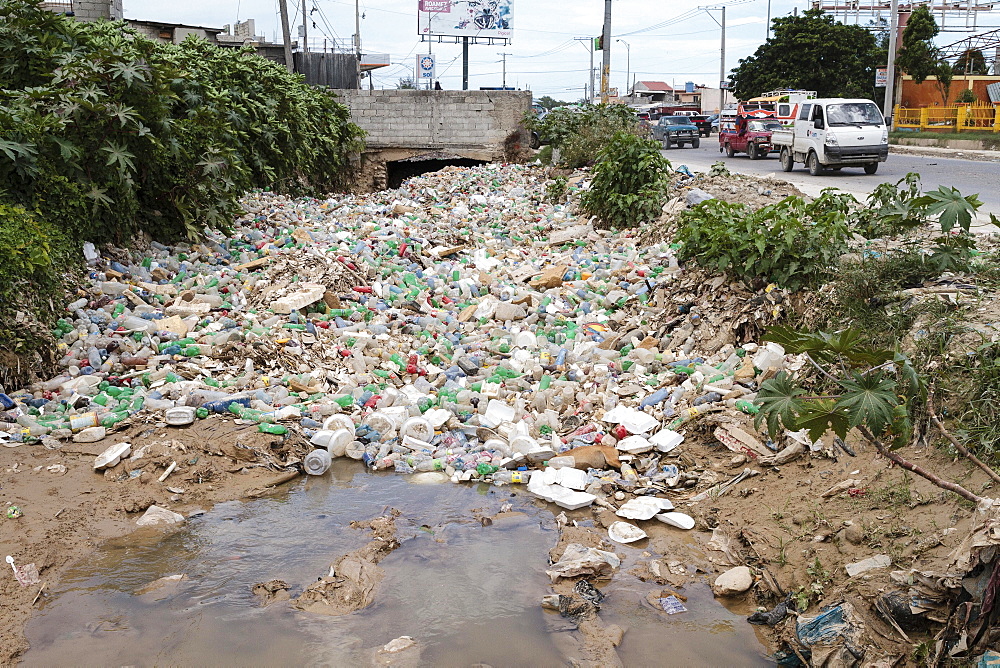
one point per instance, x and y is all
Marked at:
(623, 532)
(769, 355)
(640, 508)
(634, 445)
(679, 520)
(179, 416)
(112, 456)
(417, 427)
(498, 412)
(666, 440)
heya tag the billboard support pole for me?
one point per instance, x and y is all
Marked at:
(357, 39)
(890, 71)
(305, 27)
(465, 63)
(286, 35)
(606, 44)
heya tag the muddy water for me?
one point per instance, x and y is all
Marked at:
(470, 594)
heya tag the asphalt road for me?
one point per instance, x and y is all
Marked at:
(969, 176)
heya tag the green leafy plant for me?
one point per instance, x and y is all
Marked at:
(792, 243)
(555, 190)
(581, 132)
(953, 252)
(951, 207)
(630, 182)
(877, 392)
(718, 168)
(891, 208)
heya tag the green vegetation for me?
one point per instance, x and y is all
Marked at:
(792, 243)
(630, 182)
(811, 51)
(105, 133)
(581, 132)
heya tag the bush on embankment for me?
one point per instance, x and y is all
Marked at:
(105, 133)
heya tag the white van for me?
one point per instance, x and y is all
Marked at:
(834, 133)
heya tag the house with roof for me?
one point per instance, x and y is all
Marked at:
(650, 92)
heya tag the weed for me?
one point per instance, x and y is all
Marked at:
(555, 190)
(821, 578)
(630, 182)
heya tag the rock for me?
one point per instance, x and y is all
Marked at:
(156, 515)
(90, 435)
(734, 581)
(508, 311)
(854, 534)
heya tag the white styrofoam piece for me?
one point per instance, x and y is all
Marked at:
(623, 532)
(679, 520)
(112, 456)
(640, 508)
(634, 445)
(306, 294)
(666, 440)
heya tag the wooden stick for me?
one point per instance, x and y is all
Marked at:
(954, 441)
(39, 594)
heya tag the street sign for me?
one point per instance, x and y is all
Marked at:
(612, 92)
(425, 67)
(881, 77)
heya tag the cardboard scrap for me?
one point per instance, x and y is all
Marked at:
(551, 277)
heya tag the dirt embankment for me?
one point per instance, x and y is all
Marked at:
(68, 509)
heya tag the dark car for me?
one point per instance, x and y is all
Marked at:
(704, 124)
(676, 131)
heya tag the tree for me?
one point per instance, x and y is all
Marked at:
(406, 83)
(813, 52)
(967, 96)
(971, 62)
(918, 56)
(549, 103)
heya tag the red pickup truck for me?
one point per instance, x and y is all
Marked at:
(747, 135)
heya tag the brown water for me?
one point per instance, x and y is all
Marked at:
(469, 594)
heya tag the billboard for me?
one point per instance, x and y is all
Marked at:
(881, 77)
(465, 18)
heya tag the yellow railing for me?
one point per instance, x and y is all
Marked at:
(966, 118)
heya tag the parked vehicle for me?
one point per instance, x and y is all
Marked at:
(703, 123)
(782, 105)
(748, 135)
(676, 131)
(834, 133)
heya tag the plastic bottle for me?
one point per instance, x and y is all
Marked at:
(506, 477)
(317, 462)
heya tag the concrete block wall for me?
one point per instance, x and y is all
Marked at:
(92, 10)
(440, 119)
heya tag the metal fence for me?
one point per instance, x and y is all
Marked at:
(966, 118)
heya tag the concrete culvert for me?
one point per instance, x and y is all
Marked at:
(400, 170)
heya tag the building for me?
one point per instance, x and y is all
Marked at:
(87, 10)
(651, 92)
(929, 94)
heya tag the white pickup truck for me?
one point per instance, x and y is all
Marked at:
(834, 133)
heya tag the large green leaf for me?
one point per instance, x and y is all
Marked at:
(869, 400)
(779, 402)
(951, 207)
(821, 415)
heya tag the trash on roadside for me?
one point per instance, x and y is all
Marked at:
(26, 575)
(580, 560)
(623, 532)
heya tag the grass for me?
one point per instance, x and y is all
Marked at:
(991, 140)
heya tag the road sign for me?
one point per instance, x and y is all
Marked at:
(425, 67)
(881, 77)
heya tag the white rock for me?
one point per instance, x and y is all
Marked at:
(157, 515)
(734, 581)
(90, 435)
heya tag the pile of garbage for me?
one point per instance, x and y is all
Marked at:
(457, 326)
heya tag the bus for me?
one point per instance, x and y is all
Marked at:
(782, 104)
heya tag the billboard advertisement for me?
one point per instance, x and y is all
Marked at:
(426, 67)
(465, 18)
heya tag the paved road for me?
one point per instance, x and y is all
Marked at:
(969, 176)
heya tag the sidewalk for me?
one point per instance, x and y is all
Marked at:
(941, 152)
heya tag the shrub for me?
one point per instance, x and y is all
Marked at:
(105, 128)
(581, 132)
(630, 182)
(791, 243)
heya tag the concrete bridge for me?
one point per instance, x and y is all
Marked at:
(415, 131)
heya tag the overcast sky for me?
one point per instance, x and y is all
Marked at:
(669, 41)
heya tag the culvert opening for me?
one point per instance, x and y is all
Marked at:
(400, 170)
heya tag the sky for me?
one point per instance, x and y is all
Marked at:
(673, 41)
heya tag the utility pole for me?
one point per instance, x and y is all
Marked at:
(588, 43)
(606, 44)
(305, 27)
(890, 71)
(504, 55)
(767, 35)
(357, 39)
(286, 35)
(628, 64)
(722, 60)
(465, 63)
